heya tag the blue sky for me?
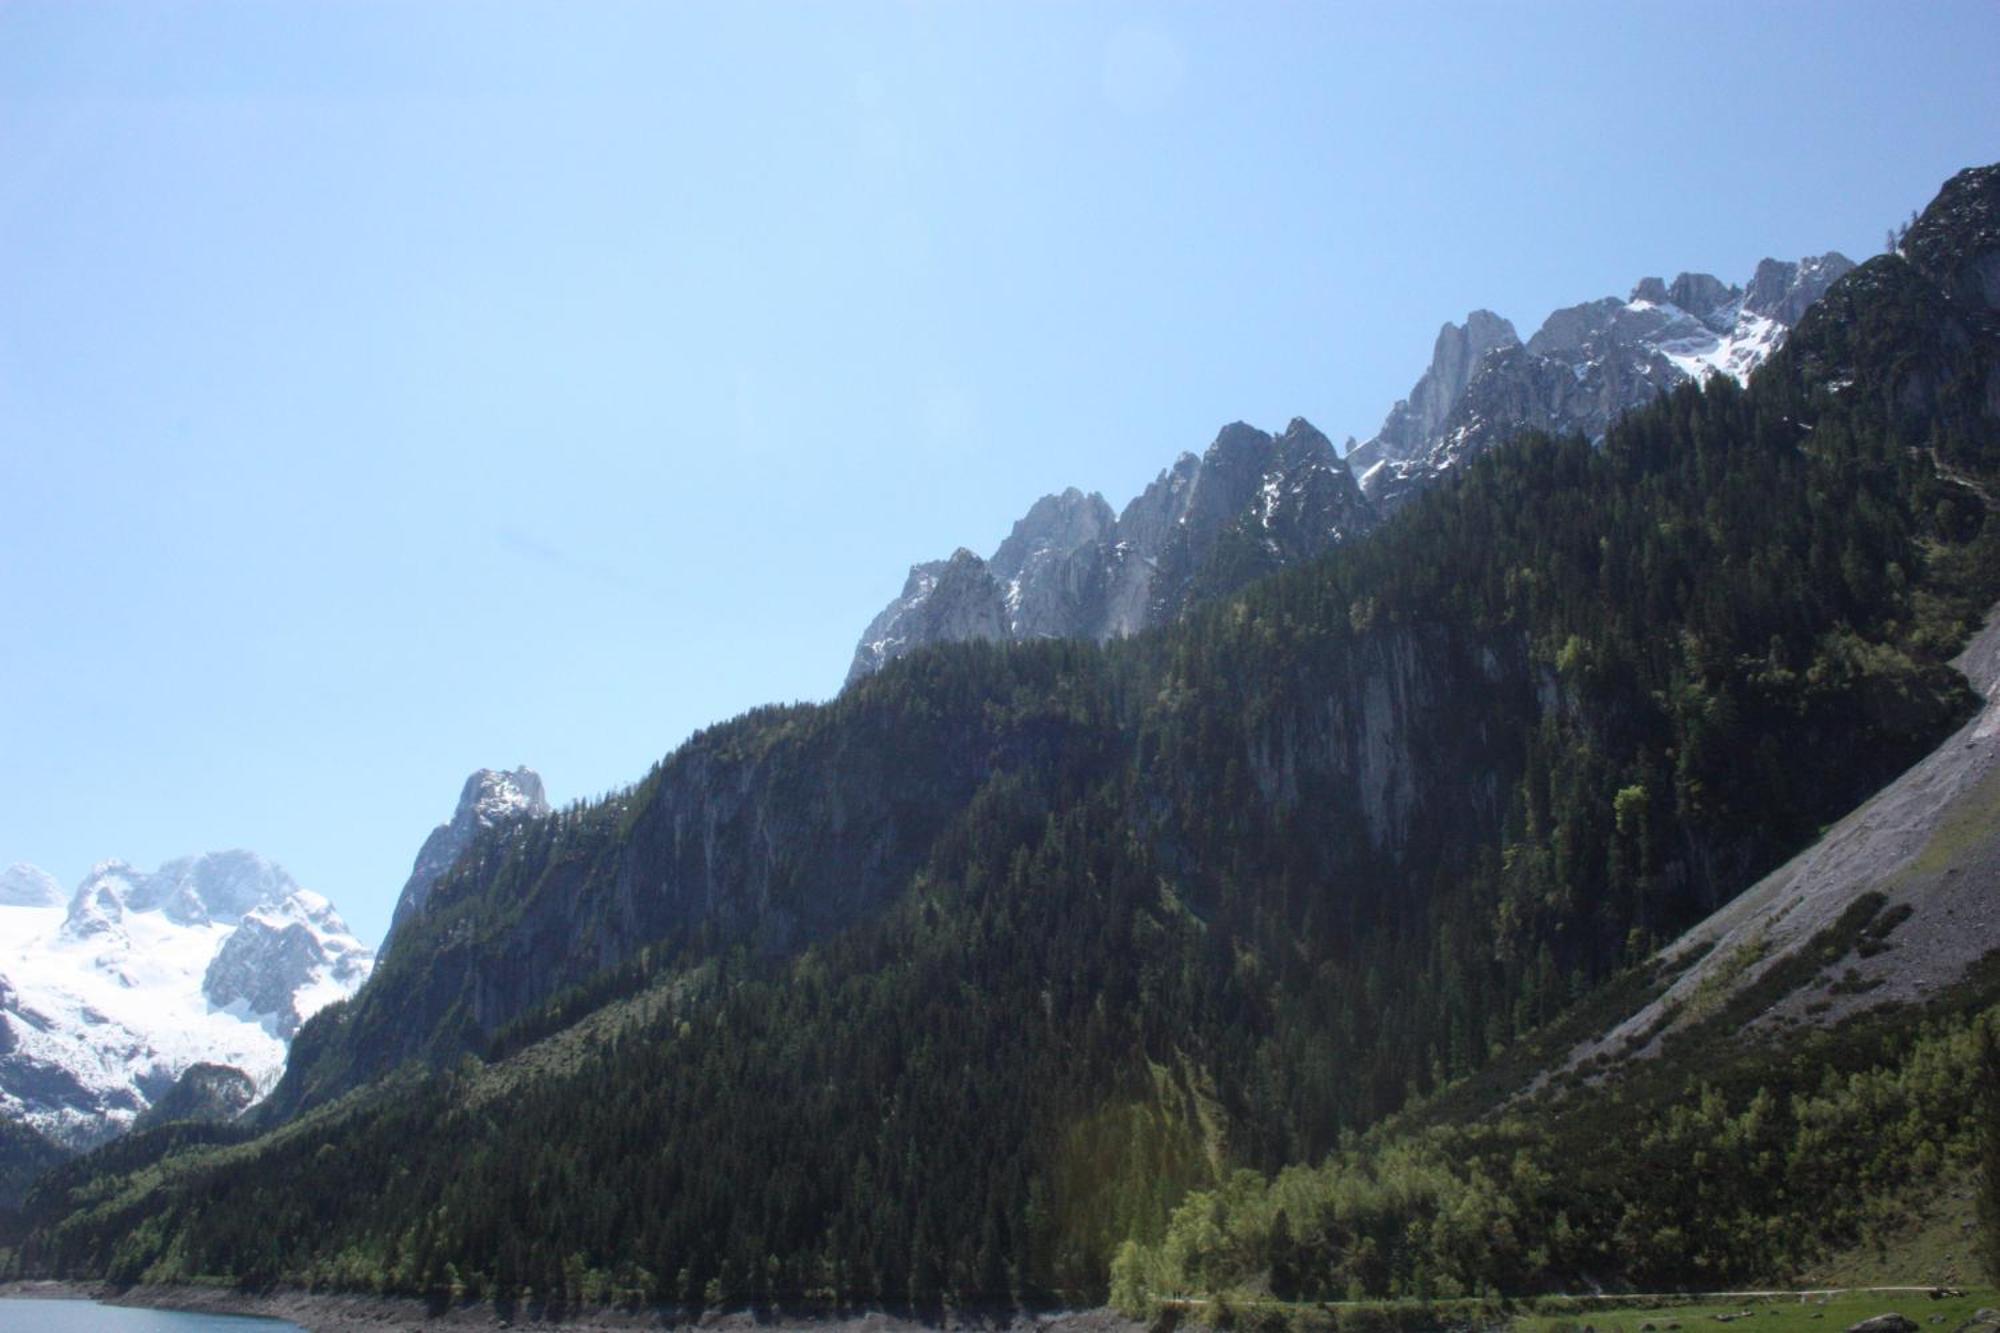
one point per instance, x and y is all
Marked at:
(391, 389)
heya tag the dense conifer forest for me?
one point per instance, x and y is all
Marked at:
(24, 1155)
(1163, 1002)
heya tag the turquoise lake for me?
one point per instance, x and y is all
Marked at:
(29, 1316)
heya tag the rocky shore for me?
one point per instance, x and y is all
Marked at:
(330, 1312)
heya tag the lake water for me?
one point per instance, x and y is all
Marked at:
(26, 1316)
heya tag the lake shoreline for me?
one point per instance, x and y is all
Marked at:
(335, 1312)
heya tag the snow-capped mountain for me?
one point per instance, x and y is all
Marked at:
(490, 797)
(1251, 503)
(107, 998)
(1586, 366)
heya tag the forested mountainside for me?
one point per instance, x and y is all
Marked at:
(953, 985)
(24, 1155)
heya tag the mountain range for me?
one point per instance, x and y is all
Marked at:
(1586, 366)
(147, 996)
(1250, 504)
(1253, 503)
(108, 995)
(1422, 915)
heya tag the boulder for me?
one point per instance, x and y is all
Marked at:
(1885, 1323)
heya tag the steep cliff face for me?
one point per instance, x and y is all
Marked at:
(771, 831)
(1257, 504)
(1415, 421)
(1049, 568)
(790, 825)
(261, 966)
(944, 601)
(1391, 732)
(1916, 336)
(1251, 503)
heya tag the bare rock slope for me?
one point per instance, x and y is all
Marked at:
(1928, 844)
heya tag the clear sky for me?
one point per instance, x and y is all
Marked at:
(392, 389)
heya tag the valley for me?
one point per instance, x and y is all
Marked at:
(1575, 881)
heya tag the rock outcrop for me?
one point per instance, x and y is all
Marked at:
(212, 1094)
(490, 798)
(264, 965)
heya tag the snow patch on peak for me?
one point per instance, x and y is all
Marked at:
(1748, 344)
(1269, 497)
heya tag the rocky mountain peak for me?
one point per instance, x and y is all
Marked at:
(1054, 523)
(1302, 439)
(1956, 241)
(218, 886)
(490, 798)
(1587, 365)
(957, 598)
(1231, 469)
(1236, 441)
(1308, 500)
(1781, 291)
(1456, 354)
(23, 885)
(1575, 327)
(1702, 295)
(1069, 569)
(214, 887)
(1247, 471)
(1651, 289)
(1151, 514)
